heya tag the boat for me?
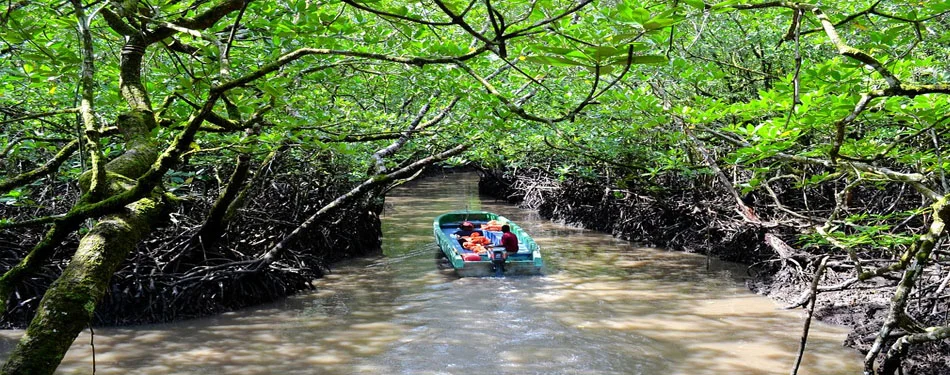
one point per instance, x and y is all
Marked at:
(488, 261)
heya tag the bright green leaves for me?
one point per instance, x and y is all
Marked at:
(604, 58)
(39, 62)
(698, 4)
(622, 38)
(658, 23)
(554, 60)
(833, 72)
(16, 197)
(631, 14)
(725, 5)
(870, 230)
(726, 72)
(628, 14)
(590, 56)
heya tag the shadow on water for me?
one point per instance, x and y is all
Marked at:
(603, 306)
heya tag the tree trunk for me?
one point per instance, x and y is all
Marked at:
(213, 227)
(217, 220)
(68, 306)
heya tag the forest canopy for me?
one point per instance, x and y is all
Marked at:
(116, 113)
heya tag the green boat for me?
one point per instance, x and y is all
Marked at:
(488, 260)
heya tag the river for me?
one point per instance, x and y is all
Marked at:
(603, 306)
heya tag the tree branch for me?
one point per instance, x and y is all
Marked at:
(396, 16)
(460, 21)
(50, 166)
(86, 107)
(295, 55)
(544, 22)
(200, 22)
(376, 181)
(143, 184)
(520, 111)
(920, 255)
(897, 351)
(33, 116)
(914, 179)
(811, 312)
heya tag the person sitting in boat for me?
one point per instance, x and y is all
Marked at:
(509, 240)
(465, 230)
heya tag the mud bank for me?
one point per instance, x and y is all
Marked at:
(693, 216)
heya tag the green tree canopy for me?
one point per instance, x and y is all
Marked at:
(118, 97)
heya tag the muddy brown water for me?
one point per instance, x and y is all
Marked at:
(604, 306)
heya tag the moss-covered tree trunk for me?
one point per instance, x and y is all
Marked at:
(125, 192)
(68, 306)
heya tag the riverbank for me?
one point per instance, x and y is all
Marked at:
(693, 216)
(178, 273)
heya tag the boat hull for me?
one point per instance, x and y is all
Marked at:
(527, 261)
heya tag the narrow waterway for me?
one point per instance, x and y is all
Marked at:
(604, 306)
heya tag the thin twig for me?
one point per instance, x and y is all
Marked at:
(811, 313)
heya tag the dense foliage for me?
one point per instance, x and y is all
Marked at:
(115, 111)
(822, 125)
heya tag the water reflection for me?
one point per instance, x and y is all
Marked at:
(603, 307)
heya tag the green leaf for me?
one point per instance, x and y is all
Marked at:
(726, 4)
(270, 90)
(601, 69)
(554, 61)
(577, 54)
(640, 15)
(554, 50)
(642, 59)
(602, 52)
(698, 4)
(650, 59)
(659, 23)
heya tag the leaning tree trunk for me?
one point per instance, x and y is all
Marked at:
(124, 190)
(67, 308)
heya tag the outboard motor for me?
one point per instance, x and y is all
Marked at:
(498, 261)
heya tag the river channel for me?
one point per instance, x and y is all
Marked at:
(603, 306)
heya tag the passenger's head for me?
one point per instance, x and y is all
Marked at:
(505, 228)
(467, 225)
